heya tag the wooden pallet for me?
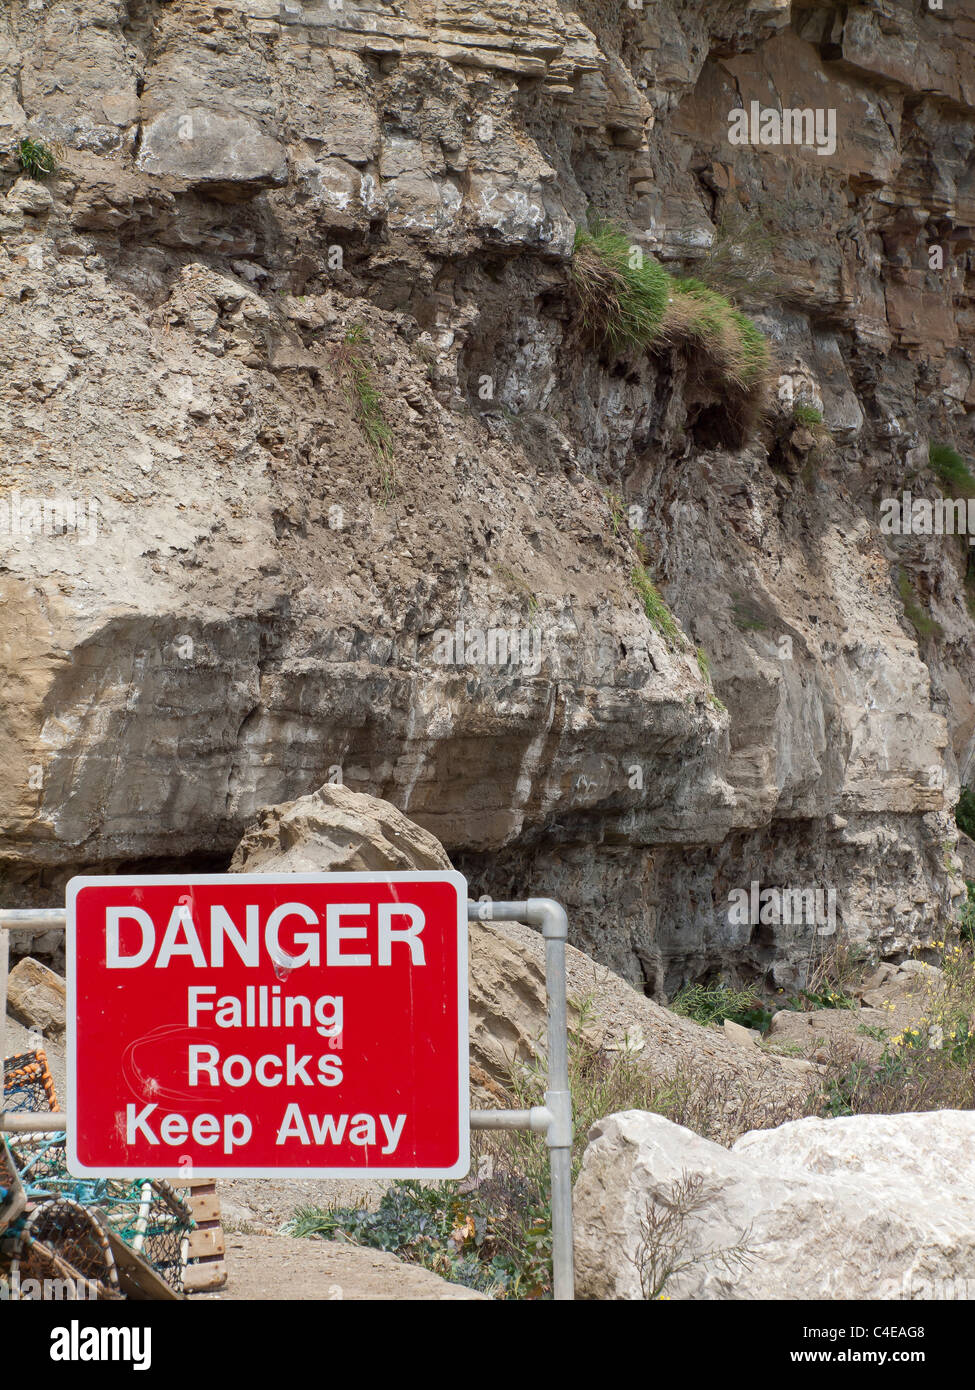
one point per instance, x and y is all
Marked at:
(208, 1269)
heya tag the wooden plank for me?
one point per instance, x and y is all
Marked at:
(205, 1207)
(208, 1274)
(207, 1241)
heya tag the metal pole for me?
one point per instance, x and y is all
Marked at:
(32, 918)
(33, 1122)
(550, 916)
(4, 957)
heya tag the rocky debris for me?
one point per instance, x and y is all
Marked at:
(870, 1206)
(911, 978)
(36, 996)
(748, 1037)
(822, 1033)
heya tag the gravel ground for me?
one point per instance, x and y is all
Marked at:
(268, 1268)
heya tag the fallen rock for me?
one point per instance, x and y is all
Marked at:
(747, 1037)
(334, 830)
(36, 996)
(868, 1206)
(29, 196)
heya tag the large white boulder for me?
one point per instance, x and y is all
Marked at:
(870, 1206)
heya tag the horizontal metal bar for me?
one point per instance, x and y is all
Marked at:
(538, 1118)
(16, 1122)
(33, 918)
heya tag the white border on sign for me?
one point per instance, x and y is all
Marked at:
(459, 1170)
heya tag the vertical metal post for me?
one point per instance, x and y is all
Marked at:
(4, 957)
(550, 916)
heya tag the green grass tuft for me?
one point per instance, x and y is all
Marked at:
(36, 159)
(623, 290)
(952, 469)
(357, 371)
(807, 415)
(926, 625)
(654, 606)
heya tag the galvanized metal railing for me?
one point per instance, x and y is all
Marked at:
(553, 1119)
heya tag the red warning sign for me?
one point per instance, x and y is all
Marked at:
(240, 1024)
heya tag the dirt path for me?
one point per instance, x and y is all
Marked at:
(265, 1267)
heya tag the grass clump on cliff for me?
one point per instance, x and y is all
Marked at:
(622, 290)
(631, 303)
(357, 372)
(703, 317)
(924, 624)
(807, 415)
(35, 159)
(952, 470)
(654, 606)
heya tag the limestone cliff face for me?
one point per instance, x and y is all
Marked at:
(255, 199)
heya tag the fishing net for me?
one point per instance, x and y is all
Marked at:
(64, 1247)
(148, 1214)
(27, 1082)
(66, 1228)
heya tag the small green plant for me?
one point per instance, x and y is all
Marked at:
(357, 371)
(967, 920)
(623, 290)
(825, 997)
(703, 665)
(952, 470)
(654, 606)
(925, 625)
(617, 511)
(436, 1227)
(734, 344)
(36, 160)
(708, 1004)
(807, 415)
